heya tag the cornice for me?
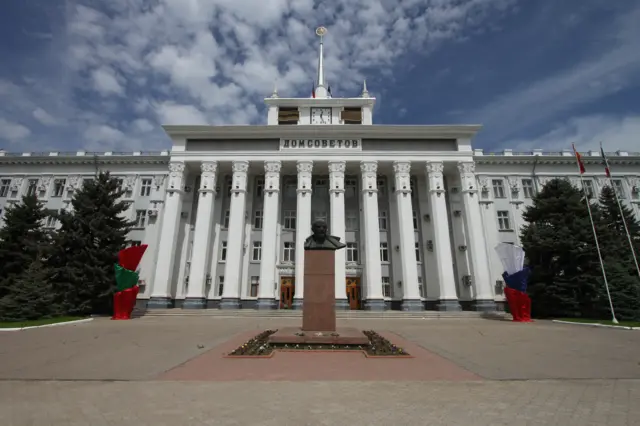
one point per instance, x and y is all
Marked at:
(316, 102)
(72, 159)
(326, 131)
(553, 160)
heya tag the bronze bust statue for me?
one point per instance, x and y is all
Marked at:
(320, 240)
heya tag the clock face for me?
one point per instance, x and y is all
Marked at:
(320, 115)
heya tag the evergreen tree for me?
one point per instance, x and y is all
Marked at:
(21, 240)
(558, 241)
(31, 296)
(86, 247)
(611, 215)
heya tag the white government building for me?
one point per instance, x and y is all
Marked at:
(225, 212)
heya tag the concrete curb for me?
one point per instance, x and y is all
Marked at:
(595, 324)
(47, 325)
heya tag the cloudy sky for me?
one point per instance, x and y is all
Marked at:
(103, 75)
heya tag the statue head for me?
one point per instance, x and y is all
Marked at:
(319, 229)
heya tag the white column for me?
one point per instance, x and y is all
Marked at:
(231, 291)
(373, 269)
(303, 226)
(410, 288)
(196, 297)
(161, 295)
(480, 277)
(336, 194)
(269, 235)
(448, 299)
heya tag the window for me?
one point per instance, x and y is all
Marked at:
(352, 252)
(290, 188)
(223, 251)
(412, 186)
(288, 115)
(384, 252)
(289, 252)
(321, 216)
(415, 220)
(220, 284)
(527, 188)
(386, 287)
(58, 187)
(382, 220)
(503, 221)
(256, 254)
(119, 182)
(50, 221)
(259, 187)
(255, 283)
(4, 187)
(229, 183)
(225, 223)
(290, 219)
(351, 115)
(145, 187)
(134, 243)
(141, 218)
(617, 185)
(382, 186)
(498, 188)
(418, 252)
(352, 220)
(32, 187)
(321, 189)
(588, 188)
(257, 219)
(350, 186)
(420, 288)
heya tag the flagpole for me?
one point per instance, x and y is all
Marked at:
(595, 237)
(624, 222)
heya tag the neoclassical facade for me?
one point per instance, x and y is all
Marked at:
(226, 210)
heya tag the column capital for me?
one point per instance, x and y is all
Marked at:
(467, 171)
(240, 166)
(272, 176)
(176, 176)
(337, 166)
(369, 166)
(402, 171)
(435, 176)
(401, 167)
(369, 171)
(336, 176)
(209, 170)
(304, 166)
(239, 180)
(304, 176)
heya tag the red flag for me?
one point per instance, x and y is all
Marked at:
(579, 160)
(605, 163)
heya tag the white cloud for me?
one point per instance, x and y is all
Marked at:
(44, 117)
(13, 132)
(105, 82)
(615, 133)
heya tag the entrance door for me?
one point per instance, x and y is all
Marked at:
(286, 292)
(353, 293)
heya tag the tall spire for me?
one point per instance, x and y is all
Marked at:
(365, 92)
(321, 91)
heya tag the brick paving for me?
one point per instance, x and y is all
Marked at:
(534, 374)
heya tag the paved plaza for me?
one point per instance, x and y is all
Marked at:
(480, 372)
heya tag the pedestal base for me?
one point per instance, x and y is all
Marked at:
(484, 305)
(374, 305)
(297, 304)
(342, 305)
(194, 303)
(159, 303)
(296, 336)
(319, 310)
(412, 305)
(448, 305)
(230, 303)
(265, 304)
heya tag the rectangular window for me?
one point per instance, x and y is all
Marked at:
(415, 220)
(384, 252)
(418, 252)
(257, 219)
(350, 187)
(352, 220)
(617, 185)
(289, 252)
(290, 188)
(386, 287)
(255, 283)
(4, 187)
(58, 187)
(503, 221)
(134, 243)
(382, 186)
(290, 219)
(256, 254)
(141, 218)
(50, 221)
(220, 284)
(527, 188)
(145, 187)
(223, 251)
(412, 187)
(259, 187)
(352, 252)
(588, 188)
(288, 115)
(351, 115)
(420, 287)
(225, 222)
(32, 187)
(382, 220)
(498, 188)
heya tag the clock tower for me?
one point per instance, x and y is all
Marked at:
(321, 108)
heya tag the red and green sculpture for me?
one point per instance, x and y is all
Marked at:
(127, 281)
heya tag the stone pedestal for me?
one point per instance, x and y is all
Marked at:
(319, 309)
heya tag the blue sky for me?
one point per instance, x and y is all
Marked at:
(100, 76)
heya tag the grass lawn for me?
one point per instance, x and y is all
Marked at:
(605, 322)
(20, 324)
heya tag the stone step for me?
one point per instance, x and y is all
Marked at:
(251, 313)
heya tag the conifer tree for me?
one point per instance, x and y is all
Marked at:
(559, 245)
(31, 297)
(86, 247)
(22, 238)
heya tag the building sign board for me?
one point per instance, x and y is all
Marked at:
(320, 144)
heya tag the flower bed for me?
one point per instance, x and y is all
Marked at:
(259, 346)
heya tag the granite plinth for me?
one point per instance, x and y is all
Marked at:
(319, 303)
(341, 336)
